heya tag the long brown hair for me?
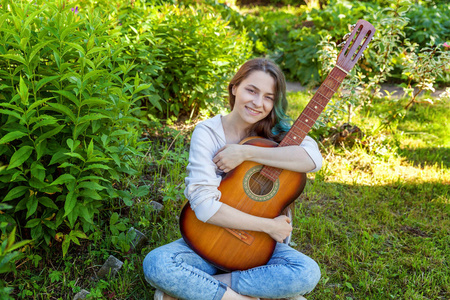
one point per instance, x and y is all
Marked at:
(277, 122)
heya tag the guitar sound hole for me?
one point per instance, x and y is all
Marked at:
(260, 185)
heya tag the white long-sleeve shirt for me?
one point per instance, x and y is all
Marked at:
(204, 176)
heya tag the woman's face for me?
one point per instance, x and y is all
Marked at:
(255, 97)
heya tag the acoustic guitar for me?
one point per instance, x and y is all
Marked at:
(263, 190)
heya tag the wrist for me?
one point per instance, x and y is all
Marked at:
(266, 225)
(247, 152)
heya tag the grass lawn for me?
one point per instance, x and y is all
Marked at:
(375, 218)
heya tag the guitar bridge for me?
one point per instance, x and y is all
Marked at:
(242, 235)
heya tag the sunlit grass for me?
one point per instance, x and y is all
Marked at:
(376, 217)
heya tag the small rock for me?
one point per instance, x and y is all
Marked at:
(81, 295)
(139, 240)
(158, 207)
(111, 266)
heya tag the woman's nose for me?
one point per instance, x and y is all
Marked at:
(258, 100)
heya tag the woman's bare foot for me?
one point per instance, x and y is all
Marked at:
(167, 297)
(232, 295)
(160, 295)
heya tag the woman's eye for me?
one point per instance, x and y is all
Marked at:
(251, 91)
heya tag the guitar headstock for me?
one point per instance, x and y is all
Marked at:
(355, 45)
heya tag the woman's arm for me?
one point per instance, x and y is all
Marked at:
(278, 228)
(292, 158)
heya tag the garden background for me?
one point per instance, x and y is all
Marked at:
(98, 100)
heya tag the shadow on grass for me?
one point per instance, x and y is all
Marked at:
(427, 156)
(358, 232)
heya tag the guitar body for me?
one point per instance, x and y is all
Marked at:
(245, 189)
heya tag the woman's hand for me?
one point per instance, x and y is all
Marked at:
(280, 229)
(277, 228)
(230, 156)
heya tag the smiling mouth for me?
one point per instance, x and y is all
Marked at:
(253, 111)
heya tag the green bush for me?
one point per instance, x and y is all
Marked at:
(68, 126)
(428, 23)
(193, 53)
(200, 54)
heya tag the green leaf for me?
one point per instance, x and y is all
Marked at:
(31, 17)
(49, 134)
(15, 57)
(92, 74)
(12, 106)
(91, 185)
(86, 213)
(69, 96)
(32, 205)
(71, 201)
(63, 109)
(73, 145)
(15, 193)
(12, 136)
(58, 157)
(65, 246)
(37, 103)
(92, 177)
(20, 156)
(141, 88)
(78, 234)
(64, 178)
(78, 47)
(19, 245)
(92, 194)
(90, 117)
(43, 81)
(114, 218)
(76, 155)
(94, 101)
(23, 91)
(67, 31)
(47, 202)
(90, 149)
(37, 170)
(80, 129)
(154, 99)
(12, 113)
(44, 122)
(142, 191)
(97, 166)
(120, 132)
(94, 50)
(38, 47)
(32, 223)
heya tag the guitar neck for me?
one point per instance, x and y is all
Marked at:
(308, 117)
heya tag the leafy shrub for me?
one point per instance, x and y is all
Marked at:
(186, 51)
(428, 24)
(68, 129)
(200, 54)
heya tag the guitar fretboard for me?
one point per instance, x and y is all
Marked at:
(308, 117)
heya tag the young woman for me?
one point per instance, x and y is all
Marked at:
(257, 95)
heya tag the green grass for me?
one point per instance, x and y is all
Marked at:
(375, 218)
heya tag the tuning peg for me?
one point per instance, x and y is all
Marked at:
(346, 36)
(351, 27)
(341, 44)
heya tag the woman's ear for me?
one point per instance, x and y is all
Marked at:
(233, 90)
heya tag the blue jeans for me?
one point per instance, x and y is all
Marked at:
(178, 271)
